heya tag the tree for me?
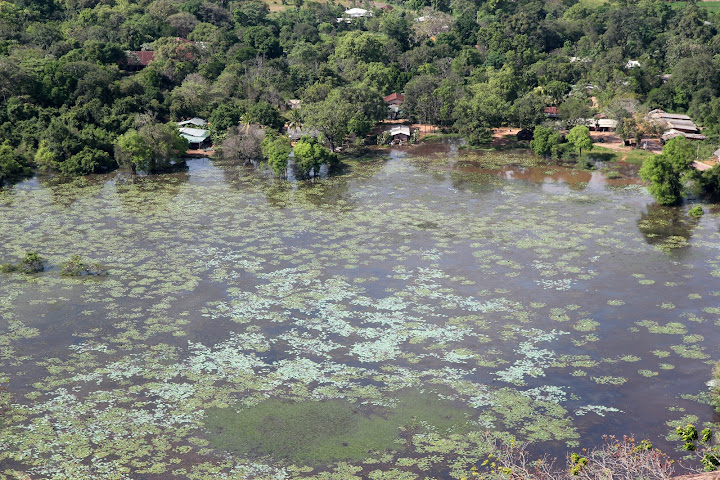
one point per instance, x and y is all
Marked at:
(11, 164)
(574, 111)
(153, 148)
(263, 40)
(243, 143)
(264, 114)
(353, 109)
(545, 141)
(310, 155)
(88, 160)
(666, 171)
(579, 138)
(528, 111)
(276, 148)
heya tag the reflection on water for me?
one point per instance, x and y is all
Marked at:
(668, 228)
(531, 295)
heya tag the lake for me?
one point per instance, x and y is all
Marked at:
(379, 323)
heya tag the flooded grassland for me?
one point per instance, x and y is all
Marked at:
(375, 324)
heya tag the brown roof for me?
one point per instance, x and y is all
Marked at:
(395, 96)
(551, 110)
(143, 57)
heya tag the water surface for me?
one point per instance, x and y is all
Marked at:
(544, 302)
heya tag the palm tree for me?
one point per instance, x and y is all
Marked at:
(246, 120)
(295, 119)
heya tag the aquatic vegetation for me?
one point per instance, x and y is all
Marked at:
(32, 262)
(321, 432)
(696, 211)
(77, 267)
(239, 304)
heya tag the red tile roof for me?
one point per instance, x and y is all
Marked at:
(395, 97)
(551, 110)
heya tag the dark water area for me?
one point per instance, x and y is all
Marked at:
(544, 302)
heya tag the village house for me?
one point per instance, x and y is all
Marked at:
(675, 121)
(675, 125)
(552, 112)
(600, 124)
(196, 137)
(400, 134)
(353, 13)
(193, 122)
(136, 60)
(672, 133)
(394, 102)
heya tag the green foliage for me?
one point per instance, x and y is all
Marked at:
(11, 164)
(276, 148)
(266, 115)
(579, 138)
(696, 211)
(153, 148)
(310, 155)
(88, 160)
(546, 142)
(32, 262)
(666, 171)
(577, 463)
(701, 443)
(77, 267)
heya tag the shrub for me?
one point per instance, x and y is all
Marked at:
(696, 211)
(702, 444)
(31, 263)
(76, 267)
(615, 459)
(585, 163)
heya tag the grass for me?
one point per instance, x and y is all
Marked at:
(605, 154)
(712, 7)
(439, 136)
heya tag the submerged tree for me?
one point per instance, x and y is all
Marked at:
(666, 171)
(310, 155)
(243, 143)
(276, 148)
(153, 148)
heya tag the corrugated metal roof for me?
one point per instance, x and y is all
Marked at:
(198, 122)
(194, 135)
(402, 130)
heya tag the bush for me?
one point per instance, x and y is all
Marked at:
(696, 211)
(615, 459)
(703, 444)
(31, 263)
(585, 163)
(76, 267)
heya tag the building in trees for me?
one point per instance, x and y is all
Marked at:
(194, 122)
(394, 102)
(400, 134)
(136, 60)
(197, 138)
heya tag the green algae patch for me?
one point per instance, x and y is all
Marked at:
(322, 432)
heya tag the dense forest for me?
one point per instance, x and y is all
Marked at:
(73, 101)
